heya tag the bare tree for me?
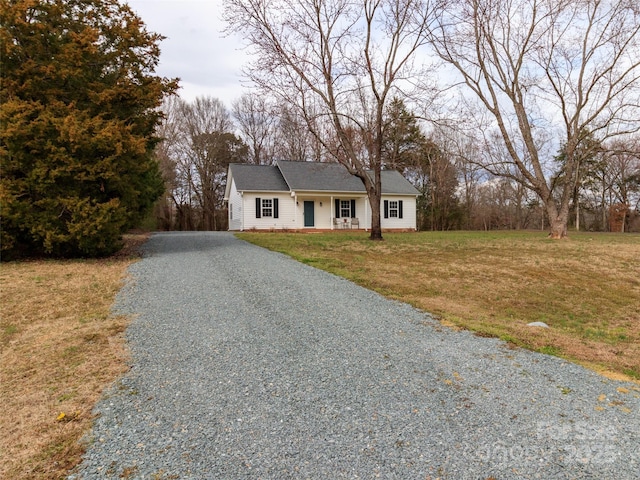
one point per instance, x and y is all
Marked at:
(174, 166)
(293, 139)
(210, 147)
(274, 130)
(623, 165)
(256, 120)
(546, 72)
(341, 61)
(197, 148)
(465, 153)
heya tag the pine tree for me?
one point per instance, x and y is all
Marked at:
(78, 108)
(403, 141)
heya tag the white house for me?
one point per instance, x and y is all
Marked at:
(310, 195)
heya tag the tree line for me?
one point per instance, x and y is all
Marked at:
(201, 138)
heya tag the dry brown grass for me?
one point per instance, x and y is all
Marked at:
(586, 288)
(59, 348)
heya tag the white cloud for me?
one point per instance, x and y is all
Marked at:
(196, 48)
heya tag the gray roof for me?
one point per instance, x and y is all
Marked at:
(394, 182)
(258, 178)
(319, 177)
(312, 176)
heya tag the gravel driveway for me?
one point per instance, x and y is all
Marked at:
(247, 364)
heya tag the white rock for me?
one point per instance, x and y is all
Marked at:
(537, 324)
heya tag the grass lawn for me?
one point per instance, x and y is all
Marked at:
(59, 347)
(586, 288)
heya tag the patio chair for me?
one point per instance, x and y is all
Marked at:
(355, 223)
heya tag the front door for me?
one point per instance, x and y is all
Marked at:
(309, 220)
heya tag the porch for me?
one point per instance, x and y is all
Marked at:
(328, 212)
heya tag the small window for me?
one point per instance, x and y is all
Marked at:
(267, 207)
(345, 209)
(393, 209)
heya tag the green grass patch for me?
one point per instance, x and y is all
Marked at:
(550, 350)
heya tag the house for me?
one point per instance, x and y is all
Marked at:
(311, 195)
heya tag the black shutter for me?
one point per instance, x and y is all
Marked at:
(353, 208)
(275, 208)
(386, 209)
(337, 202)
(258, 208)
(400, 209)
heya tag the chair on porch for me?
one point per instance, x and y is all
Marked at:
(355, 223)
(336, 223)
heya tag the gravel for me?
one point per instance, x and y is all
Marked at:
(247, 364)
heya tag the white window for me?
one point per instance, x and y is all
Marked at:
(393, 209)
(345, 209)
(267, 207)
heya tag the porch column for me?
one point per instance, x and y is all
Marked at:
(331, 213)
(367, 214)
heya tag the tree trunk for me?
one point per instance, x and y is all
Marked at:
(375, 196)
(557, 220)
(376, 229)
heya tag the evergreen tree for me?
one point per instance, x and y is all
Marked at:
(403, 141)
(588, 160)
(78, 108)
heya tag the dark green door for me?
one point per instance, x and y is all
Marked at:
(309, 220)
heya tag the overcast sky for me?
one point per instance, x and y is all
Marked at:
(196, 50)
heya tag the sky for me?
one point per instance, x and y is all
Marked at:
(196, 49)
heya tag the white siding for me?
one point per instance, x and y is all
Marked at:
(235, 208)
(286, 212)
(363, 212)
(320, 213)
(242, 211)
(408, 220)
